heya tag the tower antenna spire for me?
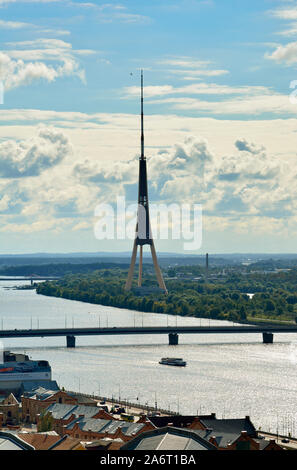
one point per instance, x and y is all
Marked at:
(142, 132)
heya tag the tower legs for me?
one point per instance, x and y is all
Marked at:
(131, 269)
(140, 266)
(160, 279)
(157, 269)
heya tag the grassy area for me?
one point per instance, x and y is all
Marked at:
(269, 321)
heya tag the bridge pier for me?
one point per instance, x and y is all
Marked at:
(70, 340)
(267, 337)
(173, 339)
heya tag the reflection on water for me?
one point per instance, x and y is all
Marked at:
(232, 375)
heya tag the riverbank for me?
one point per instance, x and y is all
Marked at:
(249, 320)
(217, 299)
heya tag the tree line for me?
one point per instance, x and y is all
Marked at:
(275, 295)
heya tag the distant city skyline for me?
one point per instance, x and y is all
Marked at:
(220, 119)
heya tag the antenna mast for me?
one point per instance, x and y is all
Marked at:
(142, 134)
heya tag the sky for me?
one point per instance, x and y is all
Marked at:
(220, 101)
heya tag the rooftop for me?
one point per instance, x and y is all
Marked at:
(168, 438)
(63, 411)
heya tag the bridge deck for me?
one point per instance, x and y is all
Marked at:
(145, 330)
(28, 278)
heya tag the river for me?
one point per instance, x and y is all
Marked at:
(230, 375)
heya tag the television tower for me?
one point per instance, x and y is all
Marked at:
(143, 235)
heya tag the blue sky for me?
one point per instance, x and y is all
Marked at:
(220, 127)
(121, 38)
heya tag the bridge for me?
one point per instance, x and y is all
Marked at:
(31, 278)
(172, 331)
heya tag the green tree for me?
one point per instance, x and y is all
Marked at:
(269, 307)
(45, 422)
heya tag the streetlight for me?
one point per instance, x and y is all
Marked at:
(128, 402)
(176, 403)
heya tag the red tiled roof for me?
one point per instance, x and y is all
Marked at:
(39, 441)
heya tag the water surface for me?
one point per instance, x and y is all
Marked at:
(231, 375)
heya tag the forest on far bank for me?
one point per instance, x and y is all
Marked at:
(223, 298)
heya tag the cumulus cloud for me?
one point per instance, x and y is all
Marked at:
(239, 185)
(248, 182)
(4, 203)
(30, 158)
(15, 73)
(46, 59)
(286, 53)
(37, 190)
(244, 146)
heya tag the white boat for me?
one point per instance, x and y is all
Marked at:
(16, 368)
(173, 361)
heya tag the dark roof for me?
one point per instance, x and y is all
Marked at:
(263, 443)
(81, 398)
(225, 431)
(89, 424)
(60, 410)
(178, 421)
(168, 438)
(106, 426)
(230, 426)
(44, 388)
